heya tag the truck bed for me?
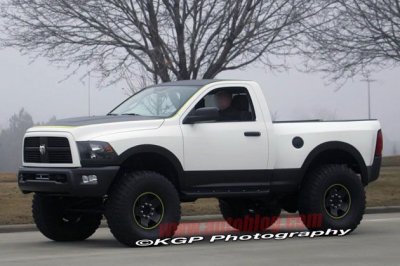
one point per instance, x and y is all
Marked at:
(320, 120)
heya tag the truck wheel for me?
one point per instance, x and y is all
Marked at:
(142, 205)
(332, 196)
(248, 215)
(56, 223)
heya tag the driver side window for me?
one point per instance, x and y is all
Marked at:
(234, 104)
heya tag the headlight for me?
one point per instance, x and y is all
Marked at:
(96, 151)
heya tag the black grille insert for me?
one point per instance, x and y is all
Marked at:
(47, 150)
(60, 178)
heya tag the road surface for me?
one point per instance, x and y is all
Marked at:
(375, 242)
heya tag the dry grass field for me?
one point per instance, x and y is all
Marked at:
(15, 208)
(391, 161)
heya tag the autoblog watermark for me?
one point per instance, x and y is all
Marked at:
(244, 237)
(247, 224)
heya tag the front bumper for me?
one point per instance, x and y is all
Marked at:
(66, 181)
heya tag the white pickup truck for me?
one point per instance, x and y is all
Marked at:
(180, 141)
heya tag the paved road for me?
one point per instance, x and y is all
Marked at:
(375, 242)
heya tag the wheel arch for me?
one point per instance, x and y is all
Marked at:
(153, 158)
(336, 152)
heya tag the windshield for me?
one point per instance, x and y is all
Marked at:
(157, 101)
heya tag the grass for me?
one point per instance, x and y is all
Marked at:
(7, 178)
(386, 190)
(391, 161)
(15, 207)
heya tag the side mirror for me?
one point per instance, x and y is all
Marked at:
(202, 115)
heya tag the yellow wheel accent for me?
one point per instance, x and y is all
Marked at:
(148, 210)
(337, 201)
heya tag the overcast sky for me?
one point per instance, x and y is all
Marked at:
(291, 94)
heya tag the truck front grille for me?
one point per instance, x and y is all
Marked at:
(47, 150)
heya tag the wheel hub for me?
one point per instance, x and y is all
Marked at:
(337, 201)
(148, 210)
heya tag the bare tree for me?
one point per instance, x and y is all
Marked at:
(135, 81)
(353, 37)
(11, 140)
(169, 39)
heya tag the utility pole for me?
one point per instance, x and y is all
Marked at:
(368, 80)
(89, 93)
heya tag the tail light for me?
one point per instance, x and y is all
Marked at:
(379, 144)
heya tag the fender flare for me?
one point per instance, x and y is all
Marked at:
(149, 148)
(341, 146)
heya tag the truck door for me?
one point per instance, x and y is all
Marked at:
(231, 152)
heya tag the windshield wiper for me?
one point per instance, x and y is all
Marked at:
(131, 114)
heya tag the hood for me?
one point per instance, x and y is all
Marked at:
(94, 120)
(87, 128)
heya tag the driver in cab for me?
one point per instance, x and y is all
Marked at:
(227, 112)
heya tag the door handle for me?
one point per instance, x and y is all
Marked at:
(252, 134)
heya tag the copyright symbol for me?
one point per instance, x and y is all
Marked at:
(144, 243)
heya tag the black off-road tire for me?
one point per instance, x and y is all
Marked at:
(126, 198)
(249, 215)
(320, 196)
(52, 220)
